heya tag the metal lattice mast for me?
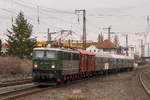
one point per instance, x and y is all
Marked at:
(84, 27)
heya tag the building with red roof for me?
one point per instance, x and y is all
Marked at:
(4, 48)
(105, 46)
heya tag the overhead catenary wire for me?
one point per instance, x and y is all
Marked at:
(47, 9)
(47, 13)
(9, 11)
(27, 7)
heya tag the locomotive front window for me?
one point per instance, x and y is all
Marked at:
(39, 54)
(50, 54)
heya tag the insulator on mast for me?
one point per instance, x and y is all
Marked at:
(78, 18)
(38, 18)
(12, 20)
(147, 18)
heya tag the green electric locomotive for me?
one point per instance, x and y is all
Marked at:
(50, 65)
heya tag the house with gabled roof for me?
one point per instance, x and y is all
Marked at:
(92, 47)
(105, 46)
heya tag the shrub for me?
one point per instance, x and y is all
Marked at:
(13, 65)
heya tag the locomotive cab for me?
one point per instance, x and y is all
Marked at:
(46, 65)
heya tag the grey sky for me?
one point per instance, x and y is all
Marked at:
(125, 16)
(92, 3)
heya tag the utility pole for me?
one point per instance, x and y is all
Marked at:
(126, 44)
(38, 18)
(109, 28)
(142, 49)
(148, 49)
(84, 27)
(109, 31)
(147, 30)
(48, 36)
(12, 4)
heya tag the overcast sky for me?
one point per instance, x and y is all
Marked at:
(125, 17)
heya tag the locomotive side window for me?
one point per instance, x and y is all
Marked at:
(125, 61)
(122, 61)
(117, 61)
(73, 56)
(69, 56)
(99, 60)
(39, 54)
(63, 55)
(102, 60)
(66, 55)
(76, 56)
(129, 61)
(108, 60)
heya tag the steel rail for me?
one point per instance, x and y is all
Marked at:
(143, 84)
(15, 82)
(13, 93)
(149, 75)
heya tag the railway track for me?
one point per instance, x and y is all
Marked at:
(26, 90)
(15, 82)
(144, 78)
(8, 93)
(12, 92)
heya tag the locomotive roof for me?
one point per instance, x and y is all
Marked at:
(57, 49)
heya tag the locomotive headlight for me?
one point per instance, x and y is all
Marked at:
(35, 65)
(53, 66)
